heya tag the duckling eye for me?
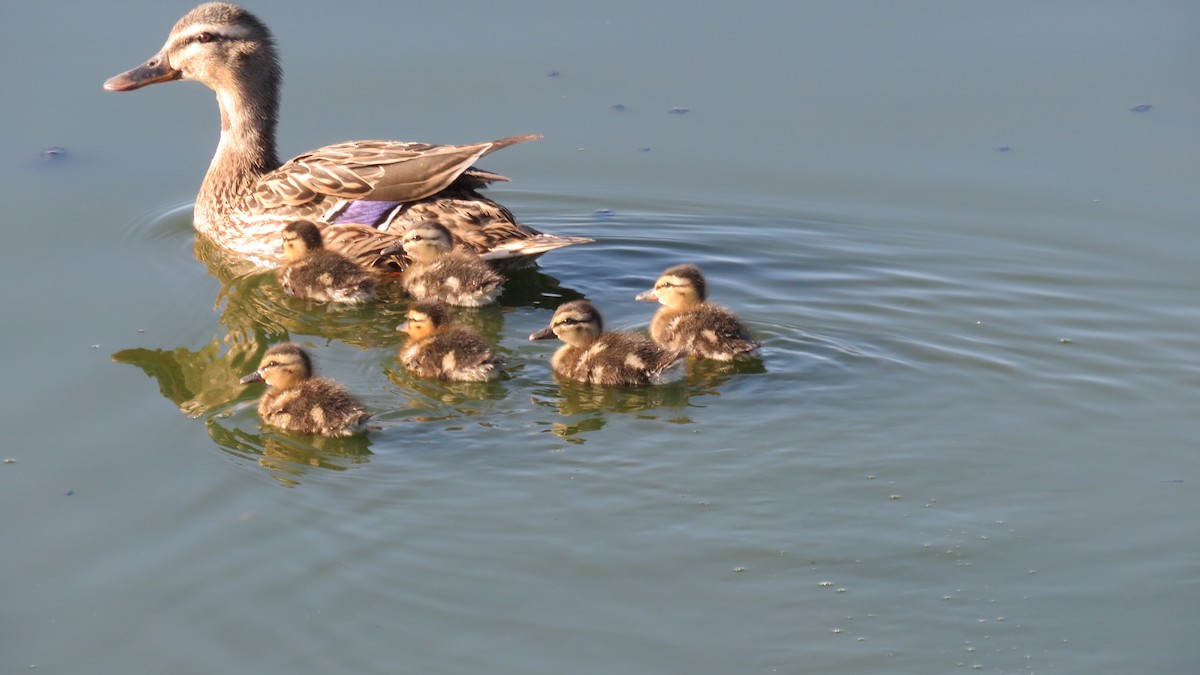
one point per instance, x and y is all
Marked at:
(205, 37)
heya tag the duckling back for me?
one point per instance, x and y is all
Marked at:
(327, 276)
(314, 406)
(704, 331)
(619, 359)
(455, 277)
(455, 353)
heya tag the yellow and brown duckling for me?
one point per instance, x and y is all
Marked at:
(440, 349)
(313, 272)
(439, 271)
(615, 359)
(297, 401)
(688, 322)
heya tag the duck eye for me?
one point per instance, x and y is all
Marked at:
(205, 37)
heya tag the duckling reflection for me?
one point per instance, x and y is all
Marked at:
(296, 400)
(438, 271)
(614, 359)
(440, 349)
(313, 272)
(289, 456)
(689, 323)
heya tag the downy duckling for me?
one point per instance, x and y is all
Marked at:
(440, 349)
(297, 401)
(438, 271)
(687, 322)
(616, 359)
(313, 272)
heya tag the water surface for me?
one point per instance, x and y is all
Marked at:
(969, 443)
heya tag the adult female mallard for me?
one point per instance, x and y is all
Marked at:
(615, 359)
(362, 194)
(443, 350)
(313, 272)
(297, 401)
(438, 271)
(688, 322)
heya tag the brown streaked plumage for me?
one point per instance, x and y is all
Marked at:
(297, 401)
(438, 271)
(615, 359)
(248, 195)
(313, 272)
(440, 349)
(688, 322)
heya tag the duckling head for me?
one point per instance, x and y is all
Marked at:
(284, 365)
(300, 237)
(427, 241)
(678, 287)
(576, 323)
(424, 319)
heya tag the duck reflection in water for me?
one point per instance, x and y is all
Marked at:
(254, 313)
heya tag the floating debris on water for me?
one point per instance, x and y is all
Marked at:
(1002, 148)
(1064, 341)
(53, 153)
(603, 213)
(1141, 107)
(678, 111)
(644, 148)
(553, 73)
(69, 493)
(10, 461)
(825, 584)
(618, 107)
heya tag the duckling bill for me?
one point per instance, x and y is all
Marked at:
(615, 359)
(313, 272)
(440, 349)
(689, 323)
(297, 401)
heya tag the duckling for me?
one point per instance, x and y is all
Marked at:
(438, 271)
(440, 349)
(313, 272)
(689, 323)
(615, 359)
(297, 401)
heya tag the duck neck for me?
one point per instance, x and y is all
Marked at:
(246, 151)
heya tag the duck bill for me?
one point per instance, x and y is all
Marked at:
(252, 378)
(543, 334)
(157, 69)
(402, 328)
(648, 296)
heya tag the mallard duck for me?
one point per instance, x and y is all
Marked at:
(613, 359)
(438, 271)
(440, 349)
(313, 272)
(361, 194)
(297, 401)
(688, 322)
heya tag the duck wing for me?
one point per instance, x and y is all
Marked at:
(387, 171)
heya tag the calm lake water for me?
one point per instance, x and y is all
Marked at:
(966, 233)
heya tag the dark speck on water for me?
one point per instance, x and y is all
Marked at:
(1002, 148)
(553, 73)
(603, 213)
(1141, 107)
(618, 107)
(678, 111)
(644, 148)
